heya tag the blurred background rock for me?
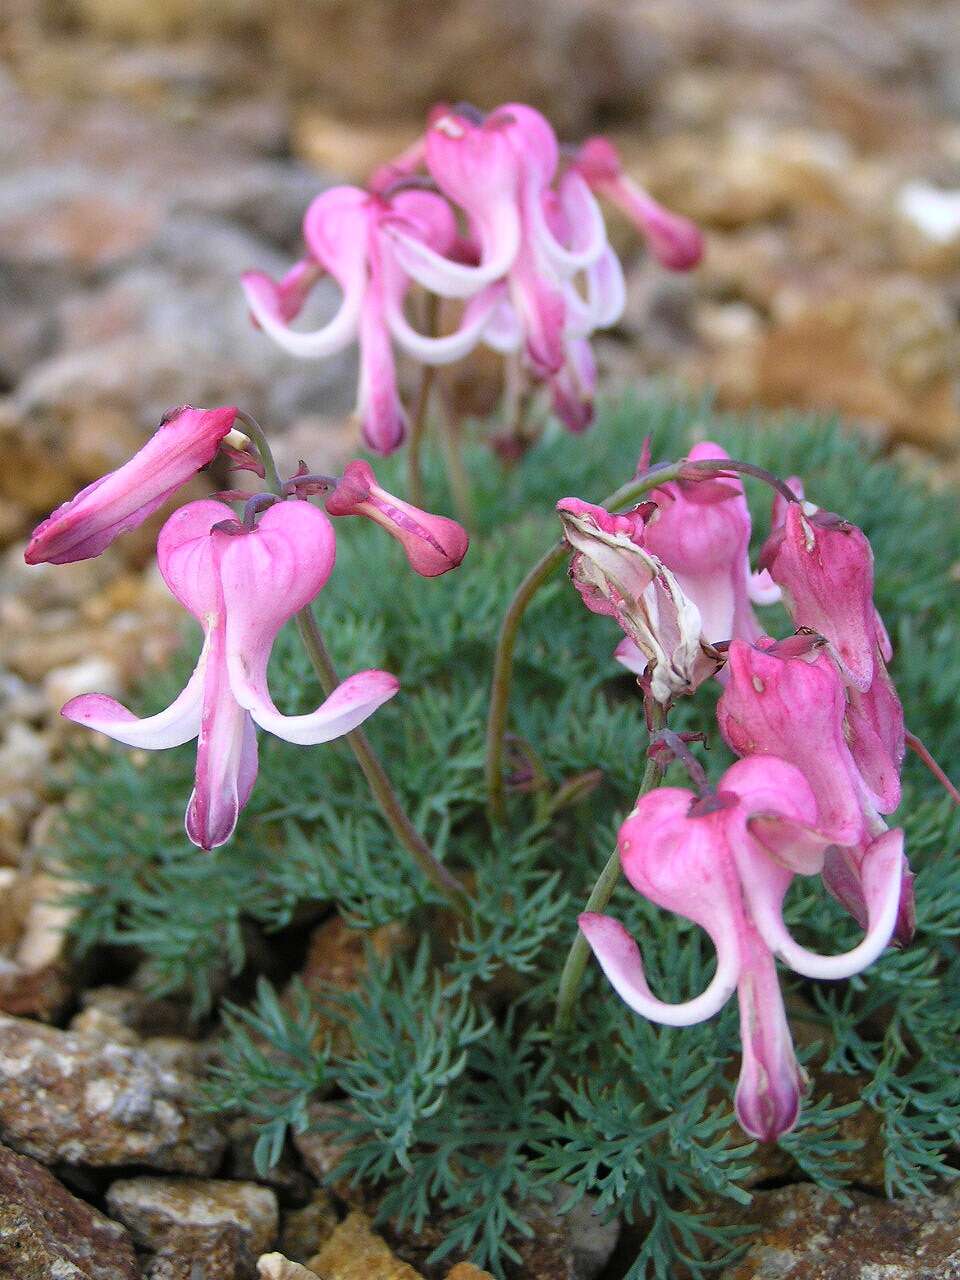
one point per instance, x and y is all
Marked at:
(151, 150)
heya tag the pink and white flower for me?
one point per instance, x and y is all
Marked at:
(499, 170)
(702, 859)
(186, 440)
(349, 236)
(242, 586)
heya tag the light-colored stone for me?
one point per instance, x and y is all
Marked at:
(164, 1212)
(83, 1100)
(274, 1266)
(304, 1231)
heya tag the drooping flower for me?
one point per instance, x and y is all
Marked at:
(701, 859)
(186, 440)
(787, 698)
(432, 544)
(675, 241)
(346, 231)
(824, 566)
(499, 169)
(616, 575)
(241, 586)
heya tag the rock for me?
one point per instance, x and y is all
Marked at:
(322, 1150)
(467, 1271)
(274, 1266)
(356, 1252)
(286, 1176)
(161, 1213)
(35, 978)
(137, 1014)
(305, 1231)
(807, 1235)
(216, 1253)
(48, 1234)
(83, 1100)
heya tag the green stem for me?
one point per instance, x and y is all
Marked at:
(539, 575)
(393, 811)
(418, 424)
(579, 954)
(257, 434)
(456, 471)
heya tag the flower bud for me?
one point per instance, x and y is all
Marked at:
(186, 440)
(432, 544)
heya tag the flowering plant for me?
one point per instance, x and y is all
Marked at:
(497, 1062)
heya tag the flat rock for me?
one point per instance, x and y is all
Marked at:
(219, 1253)
(85, 1100)
(167, 1213)
(807, 1235)
(48, 1234)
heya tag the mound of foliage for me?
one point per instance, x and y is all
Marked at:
(461, 1103)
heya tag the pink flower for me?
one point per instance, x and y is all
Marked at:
(499, 170)
(788, 699)
(346, 231)
(241, 586)
(701, 859)
(432, 544)
(824, 566)
(674, 241)
(186, 440)
(616, 575)
(702, 533)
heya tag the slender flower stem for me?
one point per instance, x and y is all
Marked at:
(539, 575)
(921, 750)
(393, 811)
(456, 471)
(257, 434)
(579, 953)
(418, 424)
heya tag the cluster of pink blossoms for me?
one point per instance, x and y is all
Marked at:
(815, 719)
(488, 209)
(242, 579)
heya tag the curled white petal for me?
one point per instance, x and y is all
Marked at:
(620, 960)
(326, 341)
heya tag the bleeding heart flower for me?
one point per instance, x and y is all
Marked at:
(702, 859)
(617, 576)
(186, 440)
(241, 586)
(346, 232)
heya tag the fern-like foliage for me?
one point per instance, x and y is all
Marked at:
(458, 1105)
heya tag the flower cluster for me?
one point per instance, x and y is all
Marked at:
(814, 717)
(488, 209)
(242, 579)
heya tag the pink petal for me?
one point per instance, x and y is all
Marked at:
(768, 1091)
(169, 728)
(226, 757)
(383, 421)
(825, 567)
(619, 957)
(184, 442)
(261, 297)
(541, 308)
(881, 874)
(794, 709)
(187, 557)
(285, 299)
(587, 234)
(876, 735)
(268, 575)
